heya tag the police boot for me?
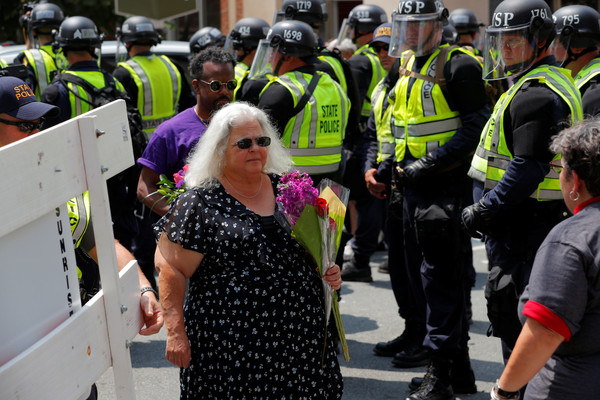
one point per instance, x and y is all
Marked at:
(462, 377)
(413, 356)
(436, 384)
(357, 269)
(412, 335)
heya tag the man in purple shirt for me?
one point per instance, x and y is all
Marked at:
(172, 141)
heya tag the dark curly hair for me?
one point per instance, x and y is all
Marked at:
(212, 54)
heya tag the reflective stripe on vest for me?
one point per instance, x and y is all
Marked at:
(314, 135)
(385, 139)
(492, 145)
(240, 71)
(422, 121)
(159, 88)
(591, 70)
(79, 216)
(44, 62)
(96, 78)
(377, 73)
(337, 68)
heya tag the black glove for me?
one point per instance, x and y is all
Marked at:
(412, 173)
(475, 219)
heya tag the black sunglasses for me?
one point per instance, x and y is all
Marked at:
(246, 143)
(24, 126)
(378, 48)
(215, 86)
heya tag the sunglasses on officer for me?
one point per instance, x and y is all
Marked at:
(24, 126)
(246, 143)
(378, 47)
(215, 86)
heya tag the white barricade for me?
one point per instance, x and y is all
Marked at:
(50, 346)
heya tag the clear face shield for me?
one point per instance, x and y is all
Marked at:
(228, 46)
(278, 17)
(507, 52)
(420, 33)
(262, 64)
(558, 49)
(346, 31)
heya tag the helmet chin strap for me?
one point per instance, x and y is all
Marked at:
(572, 57)
(278, 66)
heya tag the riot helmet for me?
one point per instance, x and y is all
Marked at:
(362, 19)
(417, 26)
(289, 38)
(205, 37)
(46, 15)
(450, 34)
(511, 40)
(78, 33)
(138, 29)
(577, 27)
(245, 36)
(313, 12)
(464, 20)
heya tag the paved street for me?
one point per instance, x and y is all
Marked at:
(369, 314)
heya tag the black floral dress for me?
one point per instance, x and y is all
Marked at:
(254, 310)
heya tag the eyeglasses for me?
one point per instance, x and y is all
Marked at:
(215, 86)
(514, 42)
(556, 166)
(378, 48)
(24, 126)
(246, 143)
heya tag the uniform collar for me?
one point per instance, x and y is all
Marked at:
(84, 66)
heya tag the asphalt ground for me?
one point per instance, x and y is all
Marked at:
(369, 314)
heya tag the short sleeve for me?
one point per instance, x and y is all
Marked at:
(558, 280)
(183, 223)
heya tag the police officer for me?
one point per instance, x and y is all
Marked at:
(42, 63)
(155, 84)
(437, 117)
(368, 71)
(205, 37)
(578, 35)
(78, 38)
(243, 42)
(311, 118)
(467, 27)
(517, 196)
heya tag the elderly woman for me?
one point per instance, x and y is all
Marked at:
(558, 351)
(252, 325)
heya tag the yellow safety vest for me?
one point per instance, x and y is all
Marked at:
(377, 73)
(96, 78)
(240, 71)
(44, 62)
(422, 121)
(493, 157)
(159, 87)
(3, 64)
(79, 219)
(338, 70)
(315, 135)
(591, 70)
(385, 139)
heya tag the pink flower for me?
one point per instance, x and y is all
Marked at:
(295, 192)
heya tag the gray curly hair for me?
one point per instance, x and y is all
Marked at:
(579, 146)
(205, 162)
